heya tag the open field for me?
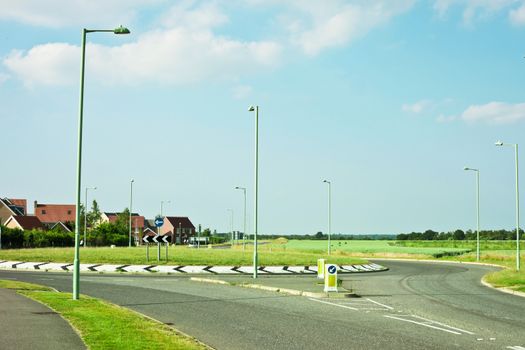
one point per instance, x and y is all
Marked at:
(373, 248)
(178, 255)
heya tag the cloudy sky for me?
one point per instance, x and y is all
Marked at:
(388, 99)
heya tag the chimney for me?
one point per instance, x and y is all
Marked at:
(34, 213)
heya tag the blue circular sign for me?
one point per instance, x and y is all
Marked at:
(159, 221)
(332, 269)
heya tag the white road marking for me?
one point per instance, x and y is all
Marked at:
(517, 347)
(444, 325)
(334, 304)
(425, 324)
(383, 305)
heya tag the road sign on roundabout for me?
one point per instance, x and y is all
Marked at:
(159, 221)
(330, 278)
(157, 239)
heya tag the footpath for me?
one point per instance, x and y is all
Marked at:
(29, 325)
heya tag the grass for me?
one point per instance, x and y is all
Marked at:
(107, 326)
(269, 254)
(18, 285)
(373, 248)
(103, 325)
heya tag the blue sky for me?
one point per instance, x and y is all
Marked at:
(387, 99)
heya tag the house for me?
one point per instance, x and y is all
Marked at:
(179, 228)
(24, 222)
(10, 207)
(137, 221)
(52, 213)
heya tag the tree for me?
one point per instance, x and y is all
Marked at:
(122, 221)
(319, 235)
(94, 215)
(206, 232)
(459, 235)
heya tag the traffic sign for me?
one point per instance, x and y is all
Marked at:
(159, 221)
(320, 268)
(330, 278)
(157, 239)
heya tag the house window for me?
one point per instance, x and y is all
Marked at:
(69, 212)
(43, 212)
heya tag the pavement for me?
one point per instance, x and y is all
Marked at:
(29, 325)
(414, 305)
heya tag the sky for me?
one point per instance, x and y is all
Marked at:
(387, 99)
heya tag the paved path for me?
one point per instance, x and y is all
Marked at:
(27, 324)
(414, 305)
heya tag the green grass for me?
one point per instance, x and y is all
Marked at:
(372, 248)
(107, 326)
(269, 255)
(18, 285)
(507, 278)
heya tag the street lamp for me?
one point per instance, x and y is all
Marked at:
(256, 187)
(162, 204)
(130, 208)
(244, 228)
(231, 224)
(477, 206)
(499, 143)
(85, 214)
(329, 212)
(76, 261)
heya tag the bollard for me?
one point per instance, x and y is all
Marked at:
(330, 278)
(320, 268)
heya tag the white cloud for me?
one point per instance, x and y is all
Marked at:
(49, 64)
(60, 13)
(517, 16)
(334, 23)
(417, 107)
(242, 91)
(187, 53)
(446, 118)
(495, 113)
(473, 9)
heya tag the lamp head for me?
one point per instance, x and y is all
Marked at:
(94, 188)
(326, 181)
(132, 180)
(466, 168)
(499, 143)
(251, 109)
(121, 30)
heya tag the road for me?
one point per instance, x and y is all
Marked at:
(414, 305)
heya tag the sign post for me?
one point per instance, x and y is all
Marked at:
(199, 238)
(320, 268)
(159, 221)
(330, 278)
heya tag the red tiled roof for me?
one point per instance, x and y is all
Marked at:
(55, 212)
(28, 222)
(136, 220)
(19, 202)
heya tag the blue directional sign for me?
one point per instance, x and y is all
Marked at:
(159, 221)
(332, 269)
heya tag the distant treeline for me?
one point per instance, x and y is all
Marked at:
(335, 236)
(459, 235)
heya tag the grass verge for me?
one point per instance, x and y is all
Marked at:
(18, 285)
(107, 326)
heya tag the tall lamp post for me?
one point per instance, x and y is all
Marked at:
(130, 208)
(244, 227)
(329, 213)
(76, 261)
(85, 214)
(231, 225)
(256, 188)
(477, 208)
(499, 143)
(162, 206)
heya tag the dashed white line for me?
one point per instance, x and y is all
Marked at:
(383, 305)
(517, 347)
(423, 324)
(334, 304)
(444, 325)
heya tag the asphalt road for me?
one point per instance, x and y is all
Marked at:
(415, 305)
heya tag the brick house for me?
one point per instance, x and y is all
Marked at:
(50, 214)
(137, 221)
(10, 207)
(179, 228)
(24, 222)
